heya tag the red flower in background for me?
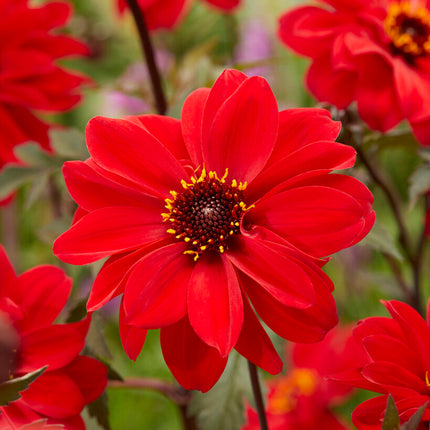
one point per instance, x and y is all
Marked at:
(30, 79)
(398, 350)
(374, 52)
(304, 397)
(232, 204)
(168, 13)
(32, 301)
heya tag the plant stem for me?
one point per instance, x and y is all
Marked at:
(148, 52)
(256, 389)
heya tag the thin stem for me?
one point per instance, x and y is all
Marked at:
(148, 52)
(256, 389)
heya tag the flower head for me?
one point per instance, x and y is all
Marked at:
(398, 352)
(166, 14)
(31, 302)
(31, 80)
(374, 53)
(201, 217)
(303, 398)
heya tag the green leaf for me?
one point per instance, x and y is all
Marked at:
(38, 187)
(381, 240)
(78, 312)
(424, 153)
(391, 418)
(96, 339)
(415, 419)
(69, 143)
(398, 138)
(9, 390)
(12, 177)
(99, 410)
(419, 183)
(222, 408)
(33, 155)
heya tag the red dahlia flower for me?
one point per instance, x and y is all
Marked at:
(304, 397)
(167, 13)
(32, 301)
(230, 206)
(398, 351)
(374, 52)
(31, 80)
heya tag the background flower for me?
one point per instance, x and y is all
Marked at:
(303, 398)
(398, 351)
(32, 301)
(231, 205)
(374, 53)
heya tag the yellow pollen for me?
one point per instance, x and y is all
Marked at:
(171, 231)
(427, 379)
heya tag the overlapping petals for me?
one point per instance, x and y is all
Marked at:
(30, 77)
(31, 302)
(294, 211)
(398, 353)
(356, 58)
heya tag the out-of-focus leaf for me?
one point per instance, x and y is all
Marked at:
(32, 155)
(78, 312)
(96, 339)
(397, 138)
(38, 187)
(419, 183)
(12, 177)
(380, 239)
(391, 418)
(415, 419)
(424, 153)
(9, 390)
(51, 231)
(99, 410)
(222, 408)
(69, 143)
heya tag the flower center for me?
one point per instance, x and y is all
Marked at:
(206, 213)
(300, 382)
(409, 29)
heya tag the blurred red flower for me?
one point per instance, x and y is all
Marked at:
(31, 80)
(233, 203)
(398, 351)
(374, 52)
(32, 301)
(168, 13)
(303, 398)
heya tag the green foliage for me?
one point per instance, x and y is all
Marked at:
(9, 390)
(222, 408)
(99, 410)
(392, 419)
(419, 183)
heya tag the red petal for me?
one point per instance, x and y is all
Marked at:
(191, 121)
(369, 414)
(271, 266)
(8, 277)
(89, 375)
(243, 131)
(255, 345)
(166, 16)
(194, 364)
(43, 293)
(226, 5)
(108, 231)
(156, 290)
(128, 150)
(132, 338)
(214, 300)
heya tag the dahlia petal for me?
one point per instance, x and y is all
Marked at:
(191, 122)
(214, 301)
(310, 160)
(107, 231)
(166, 130)
(319, 220)
(111, 279)
(166, 16)
(243, 131)
(59, 45)
(91, 190)
(225, 5)
(132, 338)
(297, 325)
(273, 270)
(43, 292)
(7, 273)
(413, 326)
(89, 375)
(128, 150)
(194, 364)
(386, 348)
(65, 401)
(393, 378)
(370, 414)
(156, 292)
(309, 30)
(378, 326)
(55, 346)
(255, 345)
